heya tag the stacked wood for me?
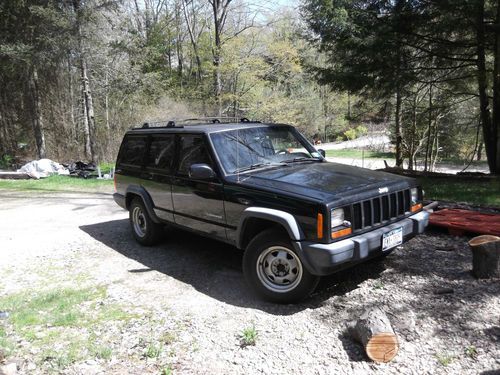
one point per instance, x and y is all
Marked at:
(374, 331)
(485, 256)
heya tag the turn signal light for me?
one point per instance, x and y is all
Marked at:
(319, 226)
(341, 233)
(416, 207)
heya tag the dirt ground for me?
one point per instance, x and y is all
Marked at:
(184, 304)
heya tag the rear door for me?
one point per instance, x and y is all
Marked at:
(130, 162)
(158, 174)
(197, 204)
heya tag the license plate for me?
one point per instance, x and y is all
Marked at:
(392, 238)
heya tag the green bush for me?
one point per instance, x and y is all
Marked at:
(5, 161)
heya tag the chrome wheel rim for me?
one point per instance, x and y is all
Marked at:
(279, 269)
(139, 221)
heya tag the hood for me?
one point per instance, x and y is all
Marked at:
(324, 181)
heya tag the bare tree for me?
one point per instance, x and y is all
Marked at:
(87, 102)
(37, 118)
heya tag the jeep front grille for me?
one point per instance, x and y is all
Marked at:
(379, 210)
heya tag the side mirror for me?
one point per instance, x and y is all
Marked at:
(201, 172)
(322, 152)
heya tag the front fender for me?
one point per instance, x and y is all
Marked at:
(283, 218)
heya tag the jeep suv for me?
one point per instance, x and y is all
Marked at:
(266, 190)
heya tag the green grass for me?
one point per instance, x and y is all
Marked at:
(248, 336)
(6, 344)
(471, 351)
(444, 359)
(471, 191)
(60, 323)
(57, 183)
(358, 154)
(101, 351)
(53, 308)
(153, 350)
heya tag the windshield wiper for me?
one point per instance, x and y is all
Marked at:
(256, 166)
(294, 160)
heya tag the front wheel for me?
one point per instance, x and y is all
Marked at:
(274, 270)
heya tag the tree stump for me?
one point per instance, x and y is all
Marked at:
(485, 256)
(374, 331)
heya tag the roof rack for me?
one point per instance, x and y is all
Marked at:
(213, 120)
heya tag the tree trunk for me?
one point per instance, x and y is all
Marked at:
(485, 256)
(489, 141)
(37, 119)
(429, 127)
(4, 133)
(87, 102)
(88, 112)
(412, 147)
(348, 106)
(194, 43)
(374, 331)
(106, 99)
(178, 44)
(495, 125)
(435, 147)
(220, 8)
(397, 120)
(74, 127)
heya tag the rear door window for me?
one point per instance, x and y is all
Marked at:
(161, 153)
(193, 150)
(132, 151)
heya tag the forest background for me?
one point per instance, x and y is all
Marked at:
(76, 74)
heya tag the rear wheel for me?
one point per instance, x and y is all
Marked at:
(275, 271)
(144, 229)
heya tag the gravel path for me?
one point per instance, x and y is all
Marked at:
(188, 295)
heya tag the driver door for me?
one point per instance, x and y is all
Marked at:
(197, 204)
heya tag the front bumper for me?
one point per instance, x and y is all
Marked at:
(323, 259)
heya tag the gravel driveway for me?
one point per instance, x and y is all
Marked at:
(187, 302)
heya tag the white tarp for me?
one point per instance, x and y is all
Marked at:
(43, 168)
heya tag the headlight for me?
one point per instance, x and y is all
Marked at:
(414, 195)
(337, 217)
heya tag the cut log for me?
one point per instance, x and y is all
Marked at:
(374, 331)
(14, 175)
(485, 256)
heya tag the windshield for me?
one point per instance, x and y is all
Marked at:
(251, 148)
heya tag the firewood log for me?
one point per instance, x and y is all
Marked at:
(485, 256)
(374, 331)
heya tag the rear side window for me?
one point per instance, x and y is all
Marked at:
(132, 151)
(193, 151)
(161, 152)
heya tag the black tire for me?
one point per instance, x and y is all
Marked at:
(274, 270)
(144, 229)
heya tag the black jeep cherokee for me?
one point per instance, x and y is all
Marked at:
(265, 189)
